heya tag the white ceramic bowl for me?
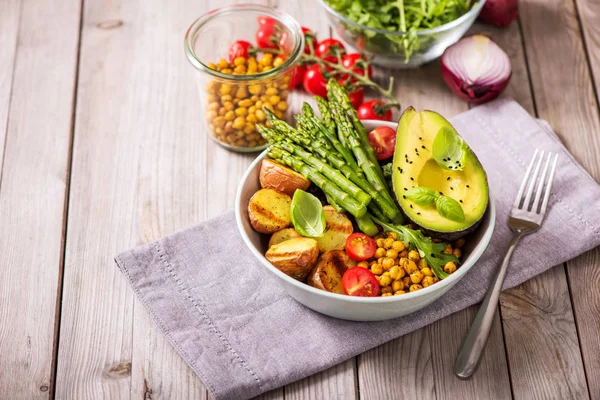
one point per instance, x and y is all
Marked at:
(350, 307)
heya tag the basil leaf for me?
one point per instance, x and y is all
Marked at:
(447, 149)
(449, 208)
(422, 195)
(307, 214)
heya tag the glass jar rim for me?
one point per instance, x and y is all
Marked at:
(282, 17)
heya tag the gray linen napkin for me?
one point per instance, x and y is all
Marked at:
(244, 336)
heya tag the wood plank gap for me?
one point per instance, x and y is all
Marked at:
(527, 68)
(510, 377)
(586, 51)
(63, 246)
(585, 372)
(10, 92)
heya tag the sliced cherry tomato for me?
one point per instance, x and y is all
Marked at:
(360, 247)
(309, 36)
(314, 82)
(328, 50)
(298, 76)
(350, 60)
(239, 48)
(361, 282)
(374, 110)
(264, 20)
(383, 142)
(356, 97)
(268, 35)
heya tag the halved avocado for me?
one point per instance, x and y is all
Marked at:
(415, 166)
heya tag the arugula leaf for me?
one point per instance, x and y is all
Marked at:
(447, 149)
(449, 208)
(433, 252)
(422, 195)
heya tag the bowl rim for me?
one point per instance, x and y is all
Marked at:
(280, 16)
(453, 278)
(452, 24)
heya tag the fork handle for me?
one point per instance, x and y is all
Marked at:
(472, 348)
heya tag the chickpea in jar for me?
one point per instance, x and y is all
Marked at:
(400, 270)
(234, 108)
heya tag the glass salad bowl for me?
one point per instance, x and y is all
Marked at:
(394, 49)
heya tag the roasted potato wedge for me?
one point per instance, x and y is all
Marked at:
(294, 257)
(337, 230)
(281, 178)
(327, 273)
(269, 211)
(283, 235)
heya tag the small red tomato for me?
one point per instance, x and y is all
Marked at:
(298, 76)
(350, 60)
(239, 48)
(356, 98)
(360, 282)
(309, 36)
(329, 49)
(374, 109)
(264, 20)
(314, 82)
(383, 142)
(267, 36)
(360, 247)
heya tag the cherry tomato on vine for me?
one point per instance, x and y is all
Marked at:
(298, 76)
(264, 20)
(350, 60)
(374, 110)
(360, 247)
(361, 282)
(383, 142)
(314, 82)
(356, 98)
(309, 36)
(329, 48)
(267, 36)
(239, 48)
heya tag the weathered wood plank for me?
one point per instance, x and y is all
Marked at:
(564, 96)
(432, 351)
(584, 271)
(33, 187)
(10, 14)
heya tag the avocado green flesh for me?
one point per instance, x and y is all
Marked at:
(415, 131)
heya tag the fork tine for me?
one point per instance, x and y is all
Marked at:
(532, 181)
(524, 182)
(538, 192)
(549, 186)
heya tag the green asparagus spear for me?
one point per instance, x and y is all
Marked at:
(325, 113)
(327, 186)
(345, 128)
(366, 225)
(335, 205)
(335, 92)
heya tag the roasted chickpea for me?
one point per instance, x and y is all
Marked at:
(281, 106)
(457, 253)
(448, 249)
(414, 255)
(450, 267)
(386, 289)
(222, 63)
(395, 272)
(387, 263)
(397, 285)
(426, 271)
(379, 242)
(409, 266)
(363, 264)
(392, 235)
(427, 281)
(388, 243)
(415, 286)
(391, 253)
(241, 111)
(416, 277)
(406, 281)
(377, 269)
(397, 245)
(229, 116)
(399, 292)
(385, 279)
(239, 122)
(386, 295)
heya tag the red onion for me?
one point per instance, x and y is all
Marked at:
(476, 69)
(499, 12)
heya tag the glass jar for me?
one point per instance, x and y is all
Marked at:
(234, 92)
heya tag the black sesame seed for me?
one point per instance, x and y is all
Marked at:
(432, 255)
(451, 188)
(399, 169)
(404, 196)
(448, 178)
(442, 193)
(410, 205)
(412, 179)
(420, 138)
(467, 185)
(422, 146)
(460, 201)
(405, 189)
(418, 213)
(410, 162)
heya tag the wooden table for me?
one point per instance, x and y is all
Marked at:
(103, 150)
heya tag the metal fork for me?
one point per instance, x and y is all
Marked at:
(525, 217)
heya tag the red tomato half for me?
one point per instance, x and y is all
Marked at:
(383, 142)
(314, 82)
(360, 247)
(356, 98)
(328, 49)
(369, 110)
(349, 60)
(239, 48)
(298, 76)
(360, 282)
